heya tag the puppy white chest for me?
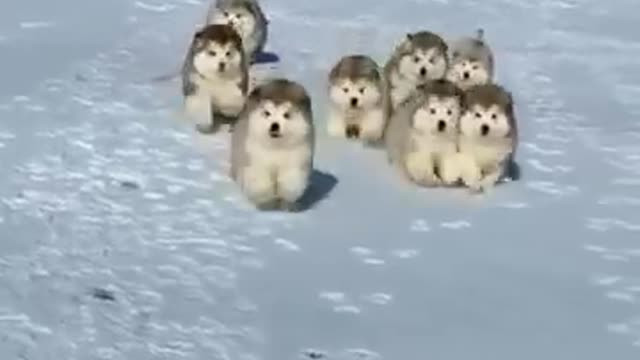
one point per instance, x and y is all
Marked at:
(225, 94)
(277, 160)
(486, 154)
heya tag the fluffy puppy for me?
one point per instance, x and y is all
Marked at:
(356, 99)
(472, 61)
(247, 18)
(488, 138)
(423, 131)
(420, 57)
(215, 78)
(272, 146)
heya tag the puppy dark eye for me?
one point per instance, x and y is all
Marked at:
(475, 67)
(494, 116)
(478, 115)
(449, 112)
(266, 113)
(212, 53)
(416, 59)
(226, 13)
(286, 115)
(346, 90)
(432, 61)
(361, 90)
(239, 16)
(432, 111)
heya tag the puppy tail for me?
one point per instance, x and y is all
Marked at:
(480, 34)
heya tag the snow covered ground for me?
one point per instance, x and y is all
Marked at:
(122, 238)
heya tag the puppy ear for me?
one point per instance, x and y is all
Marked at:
(480, 34)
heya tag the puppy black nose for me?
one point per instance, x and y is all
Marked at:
(274, 128)
(466, 75)
(354, 102)
(442, 125)
(484, 129)
(423, 71)
(222, 66)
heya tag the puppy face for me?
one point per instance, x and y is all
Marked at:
(278, 123)
(438, 116)
(216, 59)
(485, 123)
(421, 65)
(360, 94)
(468, 72)
(239, 17)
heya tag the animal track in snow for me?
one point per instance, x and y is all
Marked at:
(405, 253)
(455, 225)
(420, 225)
(287, 245)
(379, 298)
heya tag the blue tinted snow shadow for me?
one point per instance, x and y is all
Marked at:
(320, 187)
(266, 58)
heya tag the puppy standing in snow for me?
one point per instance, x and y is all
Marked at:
(356, 99)
(214, 77)
(272, 146)
(420, 57)
(488, 138)
(247, 18)
(423, 131)
(472, 61)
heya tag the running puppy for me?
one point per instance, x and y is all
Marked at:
(356, 99)
(272, 146)
(488, 138)
(472, 61)
(214, 78)
(424, 130)
(247, 18)
(420, 57)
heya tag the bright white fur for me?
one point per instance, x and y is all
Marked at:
(430, 140)
(483, 155)
(277, 168)
(242, 21)
(415, 69)
(220, 88)
(366, 112)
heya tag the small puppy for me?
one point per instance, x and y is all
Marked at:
(214, 77)
(472, 61)
(420, 57)
(424, 130)
(356, 99)
(247, 18)
(488, 138)
(272, 146)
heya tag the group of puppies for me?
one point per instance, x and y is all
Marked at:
(433, 106)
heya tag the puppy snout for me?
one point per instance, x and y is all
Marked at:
(423, 71)
(442, 125)
(274, 129)
(484, 129)
(354, 102)
(222, 66)
(466, 75)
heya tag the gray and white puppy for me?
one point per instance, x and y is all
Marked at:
(356, 93)
(247, 18)
(424, 130)
(272, 146)
(488, 138)
(420, 57)
(214, 77)
(472, 61)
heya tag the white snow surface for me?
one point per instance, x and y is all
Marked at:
(122, 237)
